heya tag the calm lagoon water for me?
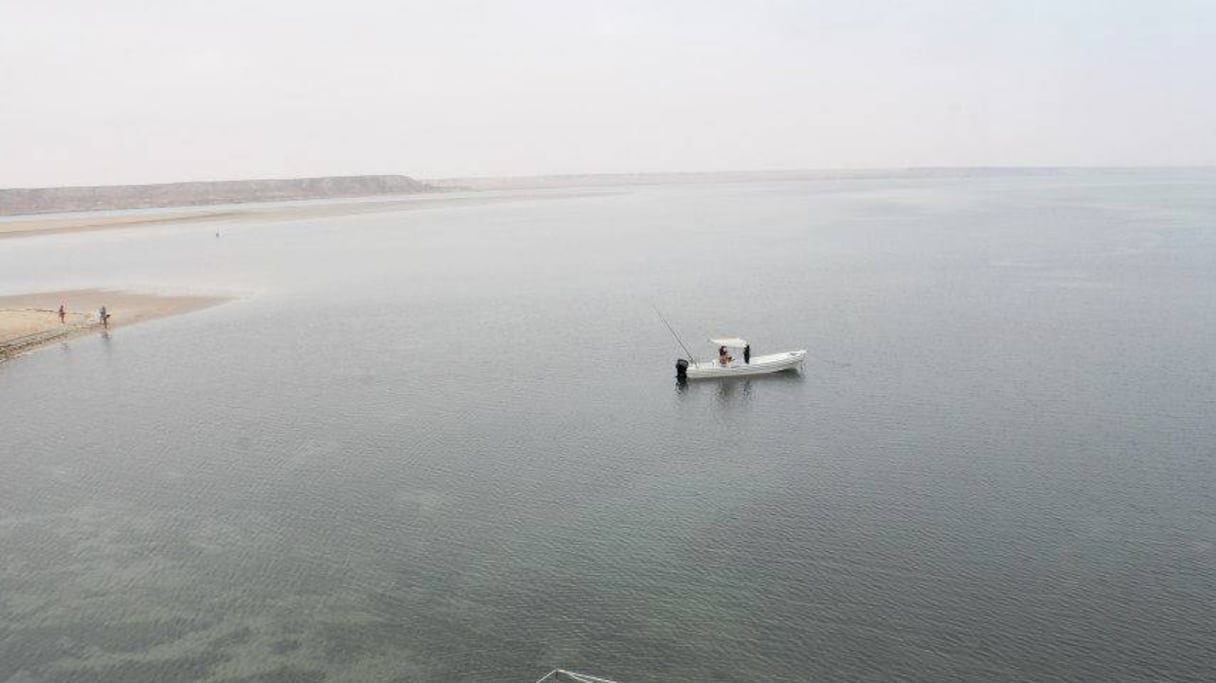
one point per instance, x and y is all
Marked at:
(447, 444)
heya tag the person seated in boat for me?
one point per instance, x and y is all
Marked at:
(723, 357)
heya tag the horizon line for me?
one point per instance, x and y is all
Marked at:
(638, 174)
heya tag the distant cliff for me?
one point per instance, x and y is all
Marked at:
(62, 199)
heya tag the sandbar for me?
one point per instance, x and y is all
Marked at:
(33, 225)
(37, 225)
(29, 321)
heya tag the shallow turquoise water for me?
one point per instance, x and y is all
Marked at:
(446, 444)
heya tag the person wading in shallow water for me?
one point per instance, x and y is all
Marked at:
(62, 314)
(105, 317)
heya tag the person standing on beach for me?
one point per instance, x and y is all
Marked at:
(62, 314)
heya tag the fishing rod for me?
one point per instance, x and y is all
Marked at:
(673, 333)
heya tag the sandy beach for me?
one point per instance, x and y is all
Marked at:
(33, 225)
(29, 321)
(36, 225)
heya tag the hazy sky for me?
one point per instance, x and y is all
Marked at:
(115, 91)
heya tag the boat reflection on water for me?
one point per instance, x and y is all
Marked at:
(736, 389)
(735, 392)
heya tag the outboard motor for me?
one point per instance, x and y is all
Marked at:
(681, 369)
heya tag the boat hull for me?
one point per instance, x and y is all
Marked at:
(760, 365)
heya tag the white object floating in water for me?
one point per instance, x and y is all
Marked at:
(738, 365)
(563, 676)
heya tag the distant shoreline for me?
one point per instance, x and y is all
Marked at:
(43, 200)
(603, 180)
(20, 202)
(442, 192)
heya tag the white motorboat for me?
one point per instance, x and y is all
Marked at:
(736, 360)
